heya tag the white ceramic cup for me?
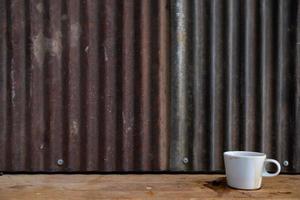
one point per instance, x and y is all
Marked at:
(245, 169)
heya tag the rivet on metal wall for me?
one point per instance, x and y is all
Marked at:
(285, 163)
(60, 162)
(185, 160)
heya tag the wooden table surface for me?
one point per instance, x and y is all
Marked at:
(77, 187)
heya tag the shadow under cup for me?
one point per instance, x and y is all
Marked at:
(245, 169)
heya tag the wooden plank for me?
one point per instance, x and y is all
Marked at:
(78, 187)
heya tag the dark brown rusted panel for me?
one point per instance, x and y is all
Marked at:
(84, 85)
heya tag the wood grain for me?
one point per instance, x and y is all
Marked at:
(78, 187)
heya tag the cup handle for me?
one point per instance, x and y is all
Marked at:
(267, 174)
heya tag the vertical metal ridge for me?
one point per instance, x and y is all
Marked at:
(283, 74)
(128, 75)
(119, 83)
(155, 87)
(145, 61)
(45, 86)
(233, 76)
(84, 41)
(163, 82)
(250, 58)
(217, 85)
(36, 104)
(136, 84)
(101, 65)
(3, 83)
(92, 102)
(292, 88)
(267, 70)
(56, 95)
(8, 60)
(179, 45)
(109, 50)
(28, 77)
(8, 83)
(296, 145)
(201, 79)
(18, 94)
(74, 81)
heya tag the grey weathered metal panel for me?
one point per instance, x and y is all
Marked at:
(245, 81)
(84, 85)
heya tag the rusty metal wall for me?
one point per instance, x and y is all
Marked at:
(140, 85)
(84, 85)
(235, 81)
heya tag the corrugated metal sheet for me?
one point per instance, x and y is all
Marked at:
(235, 81)
(110, 85)
(84, 85)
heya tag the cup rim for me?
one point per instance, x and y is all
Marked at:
(244, 154)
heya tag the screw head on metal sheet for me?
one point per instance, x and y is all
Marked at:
(285, 163)
(60, 162)
(185, 160)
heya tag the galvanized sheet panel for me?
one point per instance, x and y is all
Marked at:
(90, 85)
(84, 85)
(235, 81)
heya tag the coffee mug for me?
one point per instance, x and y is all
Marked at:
(245, 169)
